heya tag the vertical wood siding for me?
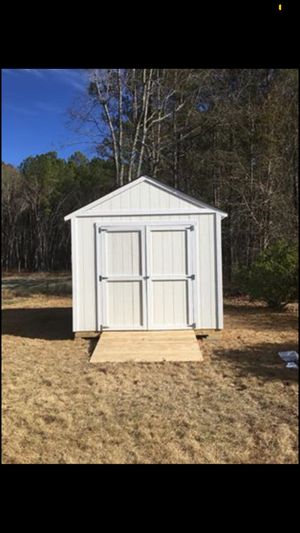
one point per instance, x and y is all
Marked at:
(169, 303)
(207, 278)
(123, 253)
(84, 275)
(124, 303)
(168, 252)
(143, 196)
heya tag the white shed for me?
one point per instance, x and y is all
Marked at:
(146, 256)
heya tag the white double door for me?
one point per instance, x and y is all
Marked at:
(146, 277)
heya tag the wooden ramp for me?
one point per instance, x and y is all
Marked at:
(147, 346)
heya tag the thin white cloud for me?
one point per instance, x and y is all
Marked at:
(74, 77)
(19, 109)
(35, 71)
(10, 71)
(15, 71)
(45, 106)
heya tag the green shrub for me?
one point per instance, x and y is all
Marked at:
(273, 276)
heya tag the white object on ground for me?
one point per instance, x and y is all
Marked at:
(291, 364)
(290, 358)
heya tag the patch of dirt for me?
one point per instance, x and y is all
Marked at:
(238, 406)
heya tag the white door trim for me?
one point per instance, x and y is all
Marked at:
(145, 277)
(103, 278)
(99, 311)
(191, 276)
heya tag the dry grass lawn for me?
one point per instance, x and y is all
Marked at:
(239, 406)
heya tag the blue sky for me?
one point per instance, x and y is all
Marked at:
(34, 106)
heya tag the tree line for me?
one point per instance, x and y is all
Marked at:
(35, 199)
(226, 136)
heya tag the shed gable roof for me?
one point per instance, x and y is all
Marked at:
(143, 194)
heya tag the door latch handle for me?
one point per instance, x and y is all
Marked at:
(192, 276)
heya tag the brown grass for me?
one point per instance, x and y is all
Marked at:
(238, 406)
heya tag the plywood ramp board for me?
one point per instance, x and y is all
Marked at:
(146, 346)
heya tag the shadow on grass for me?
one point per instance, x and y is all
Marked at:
(44, 323)
(92, 345)
(261, 318)
(261, 360)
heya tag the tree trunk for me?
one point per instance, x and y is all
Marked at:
(148, 84)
